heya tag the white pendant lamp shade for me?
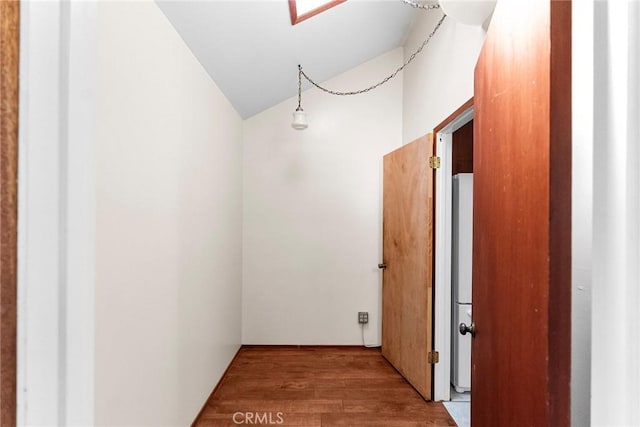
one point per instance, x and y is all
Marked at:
(468, 12)
(299, 120)
(299, 116)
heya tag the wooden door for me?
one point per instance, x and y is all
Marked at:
(522, 218)
(407, 252)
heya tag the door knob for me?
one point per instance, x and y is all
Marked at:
(470, 329)
(382, 266)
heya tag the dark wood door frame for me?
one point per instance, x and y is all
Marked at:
(9, 71)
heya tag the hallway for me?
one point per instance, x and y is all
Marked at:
(317, 386)
(160, 211)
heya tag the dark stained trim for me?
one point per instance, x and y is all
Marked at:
(9, 69)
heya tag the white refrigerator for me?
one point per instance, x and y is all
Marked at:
(461, 263)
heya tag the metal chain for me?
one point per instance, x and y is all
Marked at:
(386, 79)
(421, 6)
(299, 88)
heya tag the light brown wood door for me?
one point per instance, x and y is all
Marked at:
(407, 252)
(522, 218)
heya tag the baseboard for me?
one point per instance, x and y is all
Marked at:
(224, 374)
(345, 346)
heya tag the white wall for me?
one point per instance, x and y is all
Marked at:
(582, 218)
(169, 211)
(312, 211)
(615, 344)
(440, 79)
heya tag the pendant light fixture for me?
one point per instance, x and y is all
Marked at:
(300, 117)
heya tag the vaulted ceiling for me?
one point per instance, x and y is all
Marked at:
(251, 50)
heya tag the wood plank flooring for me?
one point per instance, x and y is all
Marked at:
(317, 386)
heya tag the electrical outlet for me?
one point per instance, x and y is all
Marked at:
(363, 317)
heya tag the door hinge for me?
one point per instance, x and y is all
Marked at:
(433, 357)
(434, 162)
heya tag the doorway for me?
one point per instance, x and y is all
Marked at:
(453, 235)
(443, 141)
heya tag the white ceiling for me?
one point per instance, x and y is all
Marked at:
(252, 51)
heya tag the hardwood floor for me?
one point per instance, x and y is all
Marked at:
(317, 386)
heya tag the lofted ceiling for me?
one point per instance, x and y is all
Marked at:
(251, 50)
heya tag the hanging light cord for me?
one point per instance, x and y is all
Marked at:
(299, 88)
(364, 343)
(301, 72)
